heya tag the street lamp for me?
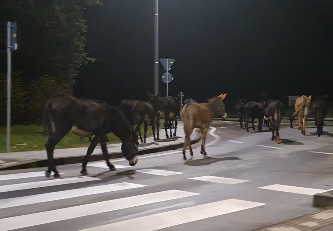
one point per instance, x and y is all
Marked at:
(156, 62)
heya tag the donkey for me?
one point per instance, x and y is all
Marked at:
(188, 100)
(136, 113)
(167, 105)
(320, 110)
(273, 113)
(199, 115)
(255, 110)
(86, 118)
(240, 109)
(302, 109)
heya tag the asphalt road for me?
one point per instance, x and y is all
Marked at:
(246, 183)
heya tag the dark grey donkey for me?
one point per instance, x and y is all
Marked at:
(273, 114)
(85, 117)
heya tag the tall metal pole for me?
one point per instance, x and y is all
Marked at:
(9, 82)
(156, 63)
(167, 83)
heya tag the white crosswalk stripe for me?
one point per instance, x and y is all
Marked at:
(98, 197)
(53, 196)
(179, 216)
(45, 183)
(22, 175)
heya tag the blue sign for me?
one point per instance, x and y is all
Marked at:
(13, 36)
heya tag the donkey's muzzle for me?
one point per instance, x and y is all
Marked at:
(134, 160)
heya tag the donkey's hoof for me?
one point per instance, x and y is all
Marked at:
(56, 175)
(112, 168)
(203, 152)
(184, 158)
(84, 172)
(47, 174)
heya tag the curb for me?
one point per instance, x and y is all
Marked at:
(94, 157)
(312, 221)
(322, 200)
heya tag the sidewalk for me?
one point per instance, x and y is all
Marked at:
(35, 159)
(325, 228)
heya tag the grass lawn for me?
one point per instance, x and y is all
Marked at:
(30, 138)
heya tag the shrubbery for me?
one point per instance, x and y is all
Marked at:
(28, 99)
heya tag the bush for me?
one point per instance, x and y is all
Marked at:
(39, 91)
(18, 99)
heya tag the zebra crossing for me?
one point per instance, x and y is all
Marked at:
(37, 210)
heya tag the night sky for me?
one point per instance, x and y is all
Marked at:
(243, 47)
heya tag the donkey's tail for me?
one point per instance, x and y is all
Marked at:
(47, 119)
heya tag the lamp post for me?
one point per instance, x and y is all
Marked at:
(156, 63)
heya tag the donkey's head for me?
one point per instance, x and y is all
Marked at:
(155, 101)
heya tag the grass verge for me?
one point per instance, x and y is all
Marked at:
(30, 138)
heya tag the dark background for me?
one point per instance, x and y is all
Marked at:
(284, 47)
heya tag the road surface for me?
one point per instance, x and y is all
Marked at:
(247, 182)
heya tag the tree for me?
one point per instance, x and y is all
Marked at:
(50, 37)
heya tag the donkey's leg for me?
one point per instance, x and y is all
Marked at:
(176, 123)
(273, 129)
(105, 155)
(157, 122)
(260, 123)
(278, 133)
(252, 121)
(203, 132)
(170, 126)
(166, 123)
(145, 129)
(139, 131)
(300, 122)
(188, 129)
(247, 123)
(305, 118)
(90, 150)
(152, 123)
(240, 121)
(291, 119)
(49, 146)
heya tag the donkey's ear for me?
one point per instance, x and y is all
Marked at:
(309, 97)
(222, 96)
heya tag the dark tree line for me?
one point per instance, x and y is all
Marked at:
(51, 50)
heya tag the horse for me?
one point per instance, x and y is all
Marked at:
(240, 109)
(255, 110)
(136, 113)
(85, 117)
(320, 110)
(273, 113)
(302, 106)
(199, 115)
(167, 105)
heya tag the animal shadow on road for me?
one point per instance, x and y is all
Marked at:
(208, 160)
(257, 131)
(324, 133)
(290, 142)
(127, 173)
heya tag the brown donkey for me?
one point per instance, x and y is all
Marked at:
(302, 109)
(199, 115)
(136, 113)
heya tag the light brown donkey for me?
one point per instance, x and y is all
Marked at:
(302, 109)
(199, 115)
